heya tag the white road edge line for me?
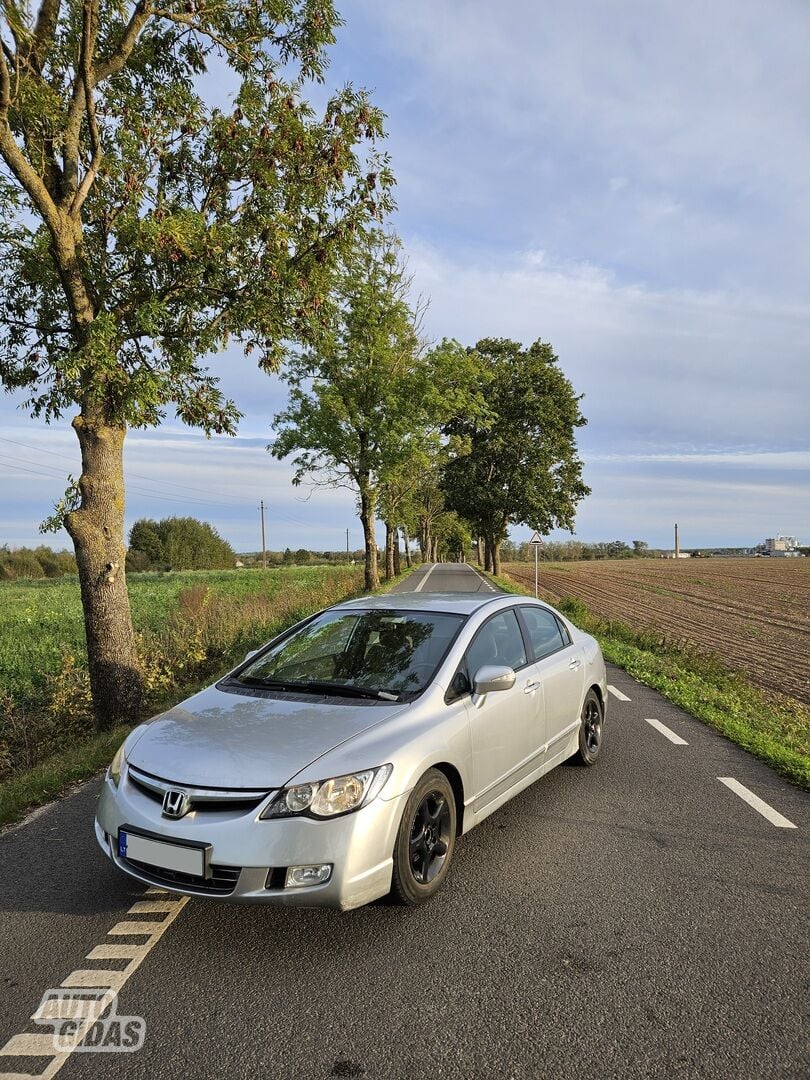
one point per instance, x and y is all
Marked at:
(756, 803)
(478, 574)
(29, 1044)
(665, 731)
(421, 584)
(617, 693)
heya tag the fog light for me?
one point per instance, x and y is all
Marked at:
(298, 876)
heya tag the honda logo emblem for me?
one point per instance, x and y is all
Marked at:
(175, 803)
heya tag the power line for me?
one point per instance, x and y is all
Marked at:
(50, 472)
(140, 476)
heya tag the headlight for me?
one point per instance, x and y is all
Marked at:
(329, 798)
(116, 765)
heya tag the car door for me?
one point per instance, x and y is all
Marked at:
(560, 671)
(506, 726)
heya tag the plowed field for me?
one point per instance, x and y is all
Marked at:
(752, 613)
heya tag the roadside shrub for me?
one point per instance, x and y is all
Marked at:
(574, 609)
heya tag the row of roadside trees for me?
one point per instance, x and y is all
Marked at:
(444, 442)
(143, 228)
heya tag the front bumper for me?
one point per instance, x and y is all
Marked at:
(253, 853)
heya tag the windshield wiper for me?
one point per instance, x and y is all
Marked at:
(312, 686)
(351, 691)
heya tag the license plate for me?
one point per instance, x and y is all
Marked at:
(166, 855)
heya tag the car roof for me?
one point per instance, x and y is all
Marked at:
(456, 603)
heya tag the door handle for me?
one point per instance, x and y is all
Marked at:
(575, 663)
(530, 686)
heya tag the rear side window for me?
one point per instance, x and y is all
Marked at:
(544, 631)
(499, 641)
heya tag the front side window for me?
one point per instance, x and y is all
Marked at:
(544, 631)
(392, 655)
(499, 641)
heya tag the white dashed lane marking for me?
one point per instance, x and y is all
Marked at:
(421, 584)
(29, 1044)
(665, 731)
(756, 803)
(617, 693)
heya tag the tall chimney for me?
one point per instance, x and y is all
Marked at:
(677, 543)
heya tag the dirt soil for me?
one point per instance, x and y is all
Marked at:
(752, 613)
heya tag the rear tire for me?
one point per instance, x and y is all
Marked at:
(425, 841)
(590, 730)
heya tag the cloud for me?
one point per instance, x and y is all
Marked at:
(510, 124)
(660, 370)
(626, 181)
(174, 471)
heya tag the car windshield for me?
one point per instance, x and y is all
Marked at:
(391, 655)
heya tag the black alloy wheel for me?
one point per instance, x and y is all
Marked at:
(590, 730)
(425, 841)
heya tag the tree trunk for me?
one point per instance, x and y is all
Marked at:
(397, 557)
(496, 558)
(367, 508)
(389, 550)
(97, 531)
(407, 542)
(489, 554)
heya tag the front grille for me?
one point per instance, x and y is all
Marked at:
(223, 879)
(155, 788)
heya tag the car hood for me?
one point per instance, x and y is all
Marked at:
(225, 740)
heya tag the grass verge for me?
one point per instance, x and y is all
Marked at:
(773, 727)
(86, 754)
(53, 776)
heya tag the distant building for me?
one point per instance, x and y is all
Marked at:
(678, 555)
(780, 546)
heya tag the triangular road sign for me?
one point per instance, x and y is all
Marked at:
(536, 539)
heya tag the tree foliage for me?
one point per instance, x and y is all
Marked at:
(142, 228)
(370, 399)
(35, 562)
(521, 466)
(178, 543)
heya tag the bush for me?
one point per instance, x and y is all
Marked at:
(178, 544)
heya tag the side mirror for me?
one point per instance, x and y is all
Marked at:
(493, 677)
(249, 655)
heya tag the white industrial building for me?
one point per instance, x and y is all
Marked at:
(780, 546)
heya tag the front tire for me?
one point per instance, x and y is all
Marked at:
(590, 730)
(425, 841)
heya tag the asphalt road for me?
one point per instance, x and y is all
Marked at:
(637, 919)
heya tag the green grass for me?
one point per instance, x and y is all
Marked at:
(193, 625)
(39, 620)
(773, 727)
(53, 776)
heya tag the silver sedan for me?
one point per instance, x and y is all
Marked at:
(342, 761)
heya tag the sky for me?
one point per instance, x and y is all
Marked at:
(630, 182)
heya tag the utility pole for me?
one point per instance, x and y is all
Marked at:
(677, 542)
(348, 556)
(264, 547)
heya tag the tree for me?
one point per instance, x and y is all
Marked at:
(455, 539)
(640, 547)
(362, 402)
(178, 543)
(521, 467)
(141, 229)
(144, 537)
